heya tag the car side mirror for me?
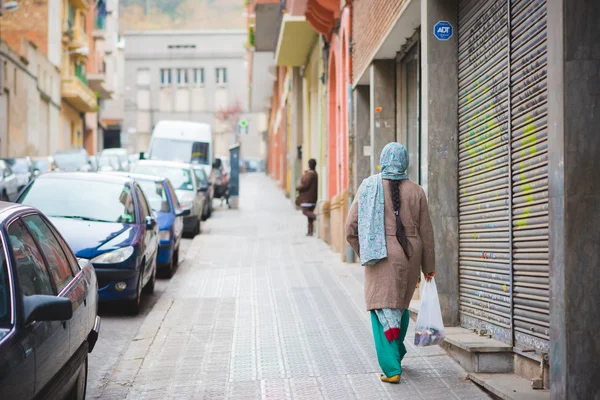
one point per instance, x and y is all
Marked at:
(150, 222)
(184, 212)
(47, 308)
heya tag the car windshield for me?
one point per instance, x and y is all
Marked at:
(156, 194)
(180, 151)
(81, 199)
(18, 165)
(65, 160)
(181, 178)
(4, 293)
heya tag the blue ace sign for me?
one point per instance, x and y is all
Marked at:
(442, 30)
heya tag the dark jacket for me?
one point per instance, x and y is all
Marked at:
(309, 188)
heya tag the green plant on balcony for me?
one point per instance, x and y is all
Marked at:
(80, 73)
(251, 36)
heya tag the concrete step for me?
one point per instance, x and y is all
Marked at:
(508, 386)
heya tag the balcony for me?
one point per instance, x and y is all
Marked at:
(78, 94)
(98, 83)
(296, 37)
(78, 39)
(265, 32)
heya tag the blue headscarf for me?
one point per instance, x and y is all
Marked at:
(371, 226)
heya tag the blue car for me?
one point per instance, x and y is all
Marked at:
(160, 193)
(107, 220)
(48, 309)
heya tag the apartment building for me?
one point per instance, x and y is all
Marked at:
(191, 76)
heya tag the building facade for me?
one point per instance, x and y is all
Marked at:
(196, 76)
(58, 29)
(29, 102)
(497, 111)
(112, 111)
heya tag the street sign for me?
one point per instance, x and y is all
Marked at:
(442, 30)
(243, 127)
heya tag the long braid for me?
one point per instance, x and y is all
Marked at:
(400, 232)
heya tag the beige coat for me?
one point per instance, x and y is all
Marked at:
(392, 282)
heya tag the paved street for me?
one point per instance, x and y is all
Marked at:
(257, 310)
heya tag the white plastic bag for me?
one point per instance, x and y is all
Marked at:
(430, 327)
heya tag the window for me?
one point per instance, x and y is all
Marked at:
(221, 74)
(143, 77)
(165, 77)
(58, 264)
(5, 311)
(95, 201)
(199, 77)
(143, 204)
(31, 269)
(156, 194)
(182, 76)
(68, 252)
(180, 178)
(173, 195)
(201, 175)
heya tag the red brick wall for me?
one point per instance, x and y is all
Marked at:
(29, 21)
(371, 21)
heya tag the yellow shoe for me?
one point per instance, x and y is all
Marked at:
(391, 379)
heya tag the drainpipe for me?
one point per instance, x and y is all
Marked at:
(350, 256)
(83, 129)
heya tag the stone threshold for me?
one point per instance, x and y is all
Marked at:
(508, 386)
(489, 362)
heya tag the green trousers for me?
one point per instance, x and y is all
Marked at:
(390, 354)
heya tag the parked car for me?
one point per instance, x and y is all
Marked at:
(48, 310)
(183, 178)
(44, 164)
(108, 163)
(160, 193)
(23, 169)
(121, 154)
(205, 186)
(9, 186)
(71, 161)
(107, 220)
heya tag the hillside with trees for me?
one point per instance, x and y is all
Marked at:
(181, 14)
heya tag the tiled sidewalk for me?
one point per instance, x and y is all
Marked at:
(257, 310)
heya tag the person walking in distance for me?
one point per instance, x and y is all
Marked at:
(390, 229)
(308, 192)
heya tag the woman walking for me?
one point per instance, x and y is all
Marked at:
(389, 227)
(308, 192)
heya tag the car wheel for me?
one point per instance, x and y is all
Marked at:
(133, 306)
(205, 212)
(149, 288)
(196, 229)
(4, 196)
(80, 388)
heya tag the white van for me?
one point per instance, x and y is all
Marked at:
(188, 142)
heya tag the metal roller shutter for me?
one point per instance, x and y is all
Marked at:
(529, 127)
(483, 106)
(503, 172)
